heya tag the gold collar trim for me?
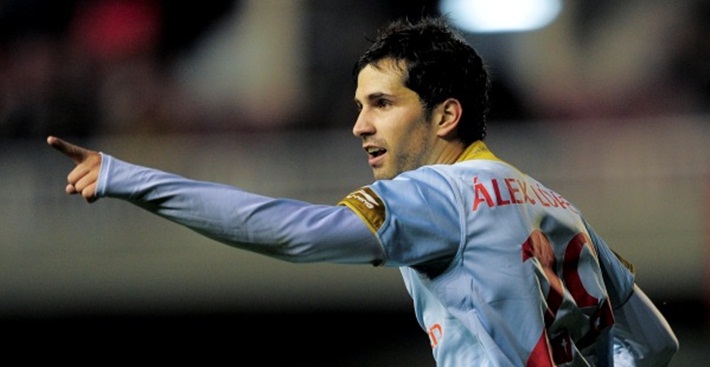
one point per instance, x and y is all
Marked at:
(477, 150)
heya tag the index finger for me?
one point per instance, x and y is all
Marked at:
(75, 152)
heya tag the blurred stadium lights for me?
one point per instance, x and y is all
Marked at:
(492, 16)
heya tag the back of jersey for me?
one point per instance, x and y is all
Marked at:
(537, 280)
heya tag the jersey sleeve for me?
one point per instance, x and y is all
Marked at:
(418, 207)
(642, 336)
(286, 229)
(618, 273)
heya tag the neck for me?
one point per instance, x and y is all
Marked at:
(449, 152)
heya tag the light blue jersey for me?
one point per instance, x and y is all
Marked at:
(502, 271)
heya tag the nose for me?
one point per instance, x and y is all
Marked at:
(362, 125)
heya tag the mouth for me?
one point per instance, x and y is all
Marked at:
(375, 155)
(375, 152)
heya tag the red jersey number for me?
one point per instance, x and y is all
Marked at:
(557, 349)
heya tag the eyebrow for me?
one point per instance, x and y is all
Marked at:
(374, 96)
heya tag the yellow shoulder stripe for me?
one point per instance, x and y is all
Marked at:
(368, 206)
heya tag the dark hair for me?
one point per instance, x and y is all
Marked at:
(440, 64)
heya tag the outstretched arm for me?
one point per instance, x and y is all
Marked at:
(83, 178)
(286, 229)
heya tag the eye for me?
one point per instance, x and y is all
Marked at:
(381, 103)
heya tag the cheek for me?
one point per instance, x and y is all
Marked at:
(406, 132)
(413, 142)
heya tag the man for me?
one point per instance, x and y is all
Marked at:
(502, 270)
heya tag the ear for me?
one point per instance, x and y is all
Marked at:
(449, 115)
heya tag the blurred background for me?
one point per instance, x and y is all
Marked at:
(605, 101)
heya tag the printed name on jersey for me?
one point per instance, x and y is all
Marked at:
(513, 191)
(368, 206)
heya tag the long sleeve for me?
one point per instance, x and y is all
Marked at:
(642, 336)
(286, 229)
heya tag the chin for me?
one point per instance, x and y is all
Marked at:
(380, 175)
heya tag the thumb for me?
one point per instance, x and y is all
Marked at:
(75, 152)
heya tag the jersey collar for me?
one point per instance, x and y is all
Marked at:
(477, 150)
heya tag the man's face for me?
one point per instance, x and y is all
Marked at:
(392, 122)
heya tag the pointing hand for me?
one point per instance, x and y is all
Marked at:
(83, 178)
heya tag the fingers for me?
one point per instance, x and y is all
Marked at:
(84, 174)
(83, 178)
(71, 190)
(87, 192)
(75, 152)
